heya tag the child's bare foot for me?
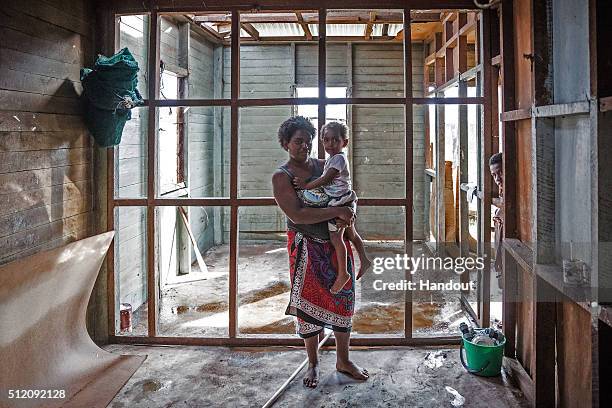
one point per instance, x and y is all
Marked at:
(341, 280)
(311, 378)
(353, 370)
(365, 265)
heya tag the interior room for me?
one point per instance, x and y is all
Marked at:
(147, 258)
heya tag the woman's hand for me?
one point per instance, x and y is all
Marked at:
(299, 182)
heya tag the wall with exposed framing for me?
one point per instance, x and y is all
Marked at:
(552, 119)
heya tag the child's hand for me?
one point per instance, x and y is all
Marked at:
(299, 182)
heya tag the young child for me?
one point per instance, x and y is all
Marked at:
(336, 181)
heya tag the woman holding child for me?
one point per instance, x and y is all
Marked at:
(317, 198)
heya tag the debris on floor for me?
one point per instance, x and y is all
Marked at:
(435, 360)
(458, 399)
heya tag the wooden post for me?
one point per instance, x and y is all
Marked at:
(485, 202)
(235, 95)
(543, 151)
(322, 78)
(508, 140)
(153, 77)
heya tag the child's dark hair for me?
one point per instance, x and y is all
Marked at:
(495, 159)
(338, 128)
(288, 128)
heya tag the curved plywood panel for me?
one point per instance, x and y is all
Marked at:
(44, 344)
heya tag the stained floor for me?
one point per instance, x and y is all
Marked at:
(199, 308)
(181, 376)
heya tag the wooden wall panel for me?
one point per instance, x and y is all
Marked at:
(524, 186)
(523, 46)
(45, 149)
(573, 356)
(524, 318)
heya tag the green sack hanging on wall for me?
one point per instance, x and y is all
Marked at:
(110, 94)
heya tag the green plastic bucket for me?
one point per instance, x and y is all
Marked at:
(482, 360)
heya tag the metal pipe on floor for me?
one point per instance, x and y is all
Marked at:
(283, 387)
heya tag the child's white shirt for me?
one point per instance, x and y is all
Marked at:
(341, 184)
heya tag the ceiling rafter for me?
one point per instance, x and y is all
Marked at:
(349, 17)
(252, 31)
(304, 25)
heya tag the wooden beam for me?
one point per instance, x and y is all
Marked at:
(330, 39)
(470, 73)
(194, 6)
(343, 17)
(561, 109)
(543, 205)
(605, 104)
(408, 167)
(234, 135)
(515, 115)
(370, 25)
(521, 377)
(304, 26)
(485, 153)
(204, 30)
(252, 31)
(508, 128)
(322, 76)
(510, 171)
(154, 73)
(282, 341)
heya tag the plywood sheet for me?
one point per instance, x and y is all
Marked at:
(43, 337)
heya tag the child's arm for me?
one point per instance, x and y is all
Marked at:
(324, 180)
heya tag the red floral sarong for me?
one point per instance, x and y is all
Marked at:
(313, 267)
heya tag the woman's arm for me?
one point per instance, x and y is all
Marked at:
(287, 200)
(324, 180)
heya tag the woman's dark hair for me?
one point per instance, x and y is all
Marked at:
(495, 159)
(338, 128)
(290, 126)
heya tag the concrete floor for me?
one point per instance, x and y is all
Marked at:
(221, 377)
(200, 308)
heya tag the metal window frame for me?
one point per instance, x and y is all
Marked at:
(234, 202)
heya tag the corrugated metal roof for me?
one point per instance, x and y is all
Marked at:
(276, 30)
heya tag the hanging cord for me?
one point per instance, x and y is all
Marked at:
(487, 5)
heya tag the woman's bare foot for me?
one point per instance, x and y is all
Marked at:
(353, 370)
(365, 265)
(311, 379)
(341, 280)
